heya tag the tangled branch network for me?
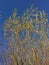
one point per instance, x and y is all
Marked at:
(27, 40)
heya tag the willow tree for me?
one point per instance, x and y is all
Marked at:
(27, 38)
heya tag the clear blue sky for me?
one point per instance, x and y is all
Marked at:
(6, 6)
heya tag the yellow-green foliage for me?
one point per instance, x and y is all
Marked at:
(25, 50)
